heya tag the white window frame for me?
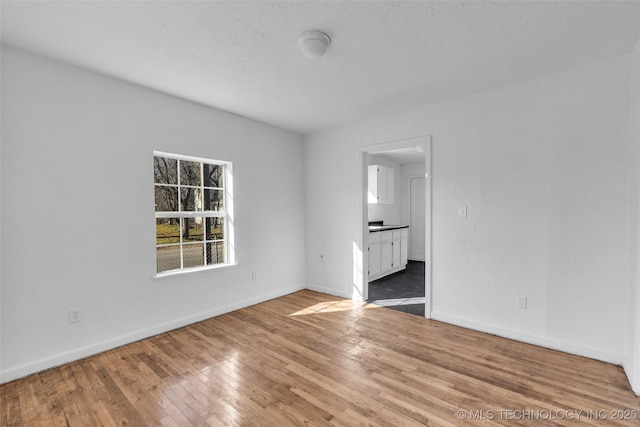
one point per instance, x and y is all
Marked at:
(226, 212)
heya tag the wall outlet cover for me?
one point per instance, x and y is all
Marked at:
(522, 302)
(74, 315)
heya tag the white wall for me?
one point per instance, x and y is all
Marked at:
(542, 167)
(392, 213)
(78, 212)
(632, 348)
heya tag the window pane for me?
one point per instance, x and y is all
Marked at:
(213, 175)
(193, 255)
(192, 229)
(167, 231)
(168, 258)
(215, 253)
(214, 228)
(166, 199)
(165, 170)
(190, 199)
(213, 200)
(190, 173)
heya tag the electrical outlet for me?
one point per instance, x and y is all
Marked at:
(254, 276)
(522, 302)
(462, 212)
(74, 315)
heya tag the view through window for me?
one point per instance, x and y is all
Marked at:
(191, 213)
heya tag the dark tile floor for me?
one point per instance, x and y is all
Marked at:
(403, 291)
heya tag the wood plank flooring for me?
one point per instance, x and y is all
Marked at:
(314, 359)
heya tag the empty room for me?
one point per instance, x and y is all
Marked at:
(208, 210)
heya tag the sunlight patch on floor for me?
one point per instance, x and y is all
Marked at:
(333, 306)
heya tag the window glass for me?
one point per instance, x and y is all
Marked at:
(168, 258)
(167, 231)
(190, 173)
(214, 174)
(166, 198)
(190, 212)
(193, 255)
(213, 200)
(165, 170)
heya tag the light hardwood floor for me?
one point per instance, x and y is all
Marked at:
(313, 359)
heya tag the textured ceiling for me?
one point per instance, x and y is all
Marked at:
(385, 56)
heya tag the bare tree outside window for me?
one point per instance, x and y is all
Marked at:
(190, 212)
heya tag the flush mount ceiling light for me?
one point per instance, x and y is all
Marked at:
(314, 43)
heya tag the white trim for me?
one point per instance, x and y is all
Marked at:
(190, 158)
(196, 187)
(539, 340)
(176, 272)
(363, 235)
(191, 214)
(628, 370)
(423, 141)
(90, 350)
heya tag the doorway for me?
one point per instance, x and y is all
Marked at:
(411, 159)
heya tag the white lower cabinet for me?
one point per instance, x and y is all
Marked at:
(374, 253)
(395, 249)
(404, 249)
(404, 246)
(387, 252)
(386, 256)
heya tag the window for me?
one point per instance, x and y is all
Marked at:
(192, 212)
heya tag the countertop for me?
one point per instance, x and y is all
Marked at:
(376, 228)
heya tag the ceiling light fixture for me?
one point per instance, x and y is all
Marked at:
(314, 43)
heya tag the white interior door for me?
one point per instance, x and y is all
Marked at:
(417, 219)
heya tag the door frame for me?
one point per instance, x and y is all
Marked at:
(408, 184)
(366, 150)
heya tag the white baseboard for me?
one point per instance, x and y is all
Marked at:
(633, 381)
(90, 350)
(539, 340)
(329, 291)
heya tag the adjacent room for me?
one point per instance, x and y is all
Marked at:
(209, 209)
(396, 222)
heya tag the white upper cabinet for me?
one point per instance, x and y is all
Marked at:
(381, 182)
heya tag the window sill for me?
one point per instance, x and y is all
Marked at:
(190, 270)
